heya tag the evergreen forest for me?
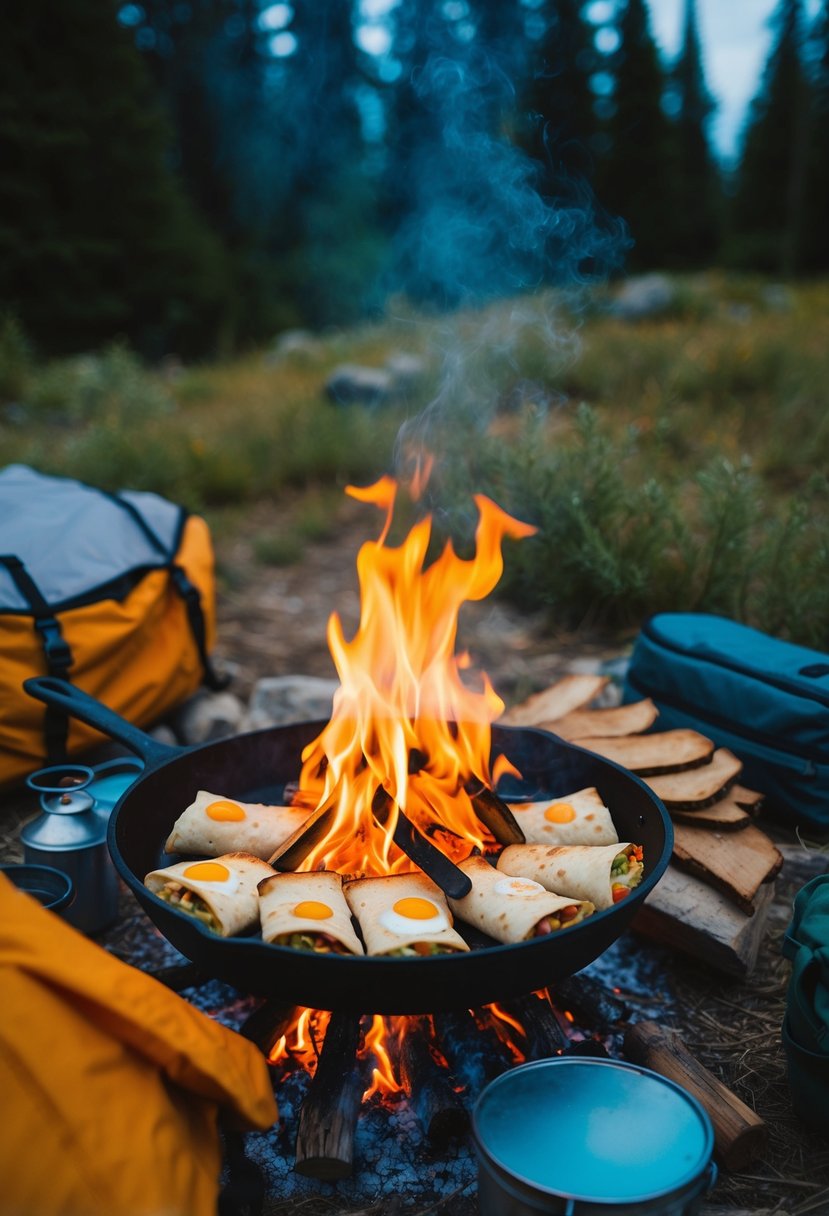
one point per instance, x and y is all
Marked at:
(193, 176)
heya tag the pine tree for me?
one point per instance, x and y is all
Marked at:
(697, 218)
(815, 246)
(558, 102)
(96, 239)
(635, 175)
(769, 203)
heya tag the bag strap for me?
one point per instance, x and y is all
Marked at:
(186, 589)
(56, 651)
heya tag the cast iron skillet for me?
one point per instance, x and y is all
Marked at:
(254, 767)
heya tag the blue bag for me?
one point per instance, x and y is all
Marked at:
(765, 699)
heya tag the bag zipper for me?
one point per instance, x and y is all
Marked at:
(811, 757)
(780, 682)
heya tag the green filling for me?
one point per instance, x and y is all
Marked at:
(310, 941)
(193, 905)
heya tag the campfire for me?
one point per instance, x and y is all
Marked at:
(405, 757)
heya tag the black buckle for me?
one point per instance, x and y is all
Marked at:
(55, 647)
(184, 587)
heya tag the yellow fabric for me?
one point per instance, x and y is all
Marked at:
(137, 655)
(110, 1084)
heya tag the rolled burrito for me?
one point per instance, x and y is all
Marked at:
(403, 916)
(213, 824)
(221, 893)
(603, 874)
(514, 909)
(579, 818)
(307, 912)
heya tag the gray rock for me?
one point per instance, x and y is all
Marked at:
(164, 734)
(407, 371)
(294, 342)
(642, 296)
(350, 384)
(277, 700)
(208, 715)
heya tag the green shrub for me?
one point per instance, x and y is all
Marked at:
(15, 359)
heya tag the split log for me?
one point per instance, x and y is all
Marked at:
(569, 693)
(267, 1024)
(723, 816)
(328, 1116)
(668, 751)
(750, 800)
(632, 719)
(434, 1101)
(737, 864)
(542, 1031)
(687, 914)
(701, 786)
(740, 1135)
(475, 1056)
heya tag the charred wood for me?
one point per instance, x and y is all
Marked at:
(451, 880)
(328, 1117)
(494, 814)
(544, 1035)
(590, 1002)
(267, 1024)
(475, 1056)
(434, 1101)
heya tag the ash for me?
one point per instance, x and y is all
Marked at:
(394, 1161)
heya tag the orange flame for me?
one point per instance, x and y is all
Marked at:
(404, 725)
(302, 1041)
(378, 1042)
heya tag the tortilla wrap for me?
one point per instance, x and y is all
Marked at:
(509, 910)
(580, 871)
(232, 897)
(250, 827)
(295, 904)
(376, 903)
(579, 818)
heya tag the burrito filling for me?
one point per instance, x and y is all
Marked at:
(421, 950)
(572, 914)
(626, 872)
(187, 901)
(319, 943)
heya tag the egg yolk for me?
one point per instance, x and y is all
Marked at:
(414, 908)
(560, 812)
(224, 812)
(207, 871)
(312, 909)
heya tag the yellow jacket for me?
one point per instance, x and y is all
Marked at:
(110, 1084)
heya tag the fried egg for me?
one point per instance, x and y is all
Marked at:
(225, 811)
(414, 916)
(518, 886)
(313, 909)
(211, 876)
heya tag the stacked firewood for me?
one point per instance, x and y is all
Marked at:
(713, 898)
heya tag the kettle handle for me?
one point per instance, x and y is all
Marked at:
(78, 704)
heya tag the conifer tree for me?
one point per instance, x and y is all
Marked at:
(769, 203)
(815, 246)
(635, 175)
(557, 101)
(697, 216)
(96, 239)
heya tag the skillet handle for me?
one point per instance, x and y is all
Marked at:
(78, 704)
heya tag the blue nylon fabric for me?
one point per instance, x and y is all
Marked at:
(805, 1031)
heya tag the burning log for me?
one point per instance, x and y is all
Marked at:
(474, 1055)
(543, 1033)
(590, 1002)
(328, 1117)
(267, 1024)
(494, 813)
(437, 1106)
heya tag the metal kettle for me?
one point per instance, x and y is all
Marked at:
(70, 835)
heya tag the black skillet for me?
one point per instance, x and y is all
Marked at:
(255, 767)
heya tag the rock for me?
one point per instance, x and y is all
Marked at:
(406, 371)
(277, 700)
(164, 734)
(643, 296)
(293, 342)
(350, 384)
(208, 715)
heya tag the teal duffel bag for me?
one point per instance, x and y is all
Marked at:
(806, 1025)
(765, 699)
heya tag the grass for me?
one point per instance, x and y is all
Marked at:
(675, 462)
